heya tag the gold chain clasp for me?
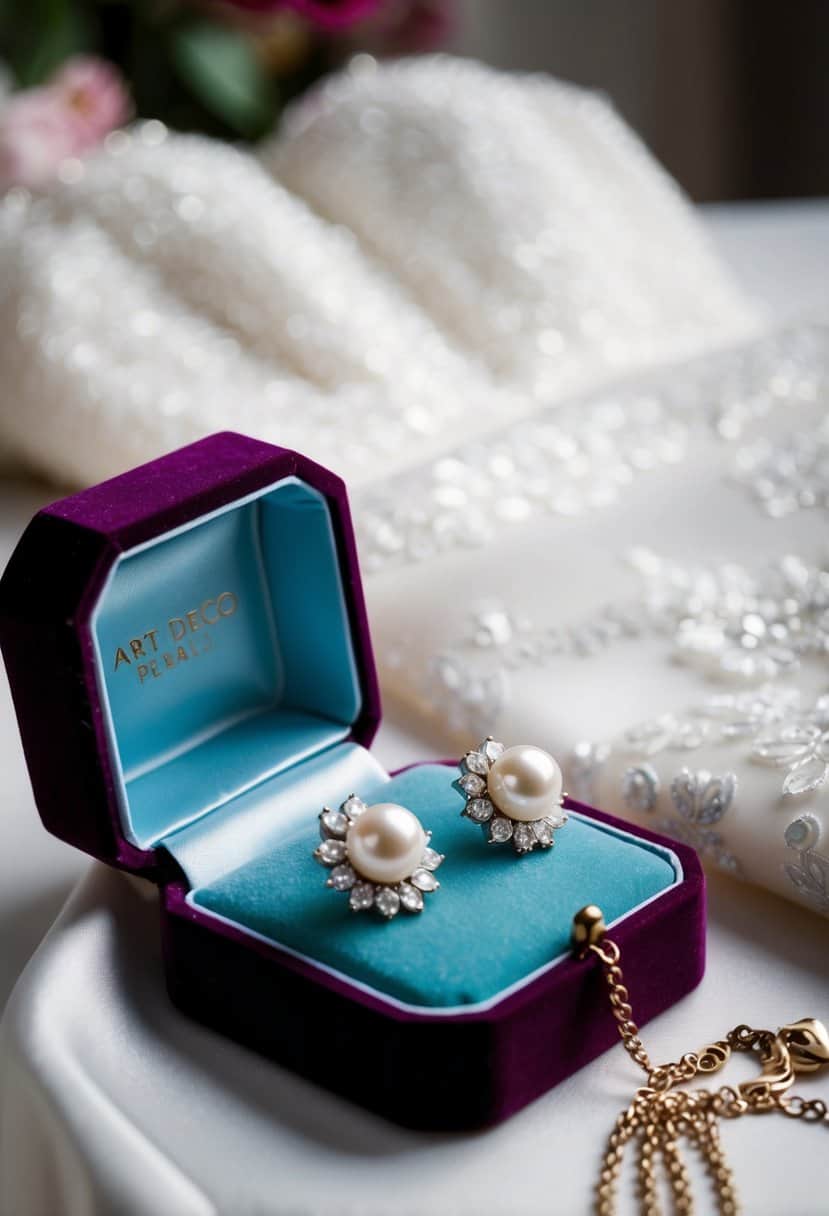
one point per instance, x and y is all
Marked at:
(662, 1113)
(808, 1044)
(800, 1047)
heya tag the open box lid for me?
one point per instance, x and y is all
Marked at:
(180, 633)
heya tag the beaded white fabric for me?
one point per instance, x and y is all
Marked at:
(617, 583)
(590, 510)
(427, 249)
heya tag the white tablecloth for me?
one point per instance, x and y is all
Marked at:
(111, 1102)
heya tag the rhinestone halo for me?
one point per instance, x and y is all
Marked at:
(499, 828)
(386, 899)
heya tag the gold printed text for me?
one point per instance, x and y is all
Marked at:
(162, 649)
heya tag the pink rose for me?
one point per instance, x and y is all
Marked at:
(94, 98)
(67, 117)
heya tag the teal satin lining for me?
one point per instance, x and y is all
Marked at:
(226, 656)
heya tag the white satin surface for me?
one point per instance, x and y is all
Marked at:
(112, 1104)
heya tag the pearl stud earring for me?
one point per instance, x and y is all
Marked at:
(380, 854)
(513, 793)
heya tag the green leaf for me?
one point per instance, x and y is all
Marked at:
(221, 69)
(50, 33)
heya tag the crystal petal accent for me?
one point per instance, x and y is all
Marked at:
(480, 809)
(353, 806)
(500, 829)
(806, 776)
(342, 878)
(523, 837)
(362, 896)
(424, 881)
(431, 859)
(543, 831)
(331, 851)
(472, 784)
(410, 897)
(333, 823)
(476, 762)
(491, 749)
(387, 902)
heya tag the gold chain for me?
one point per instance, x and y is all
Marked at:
(661, 1114)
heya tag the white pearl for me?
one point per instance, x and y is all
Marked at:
(386, 843)
(525, 783)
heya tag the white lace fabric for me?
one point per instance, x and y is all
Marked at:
(577, 460)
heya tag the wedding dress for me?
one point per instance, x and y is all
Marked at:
(589, 483)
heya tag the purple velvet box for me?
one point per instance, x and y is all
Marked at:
(150, 717)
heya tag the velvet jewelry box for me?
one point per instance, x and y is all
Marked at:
(190, 662)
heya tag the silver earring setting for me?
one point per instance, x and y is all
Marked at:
(379, 854)
(513, 793)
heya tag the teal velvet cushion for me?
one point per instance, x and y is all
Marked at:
(496, 918)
